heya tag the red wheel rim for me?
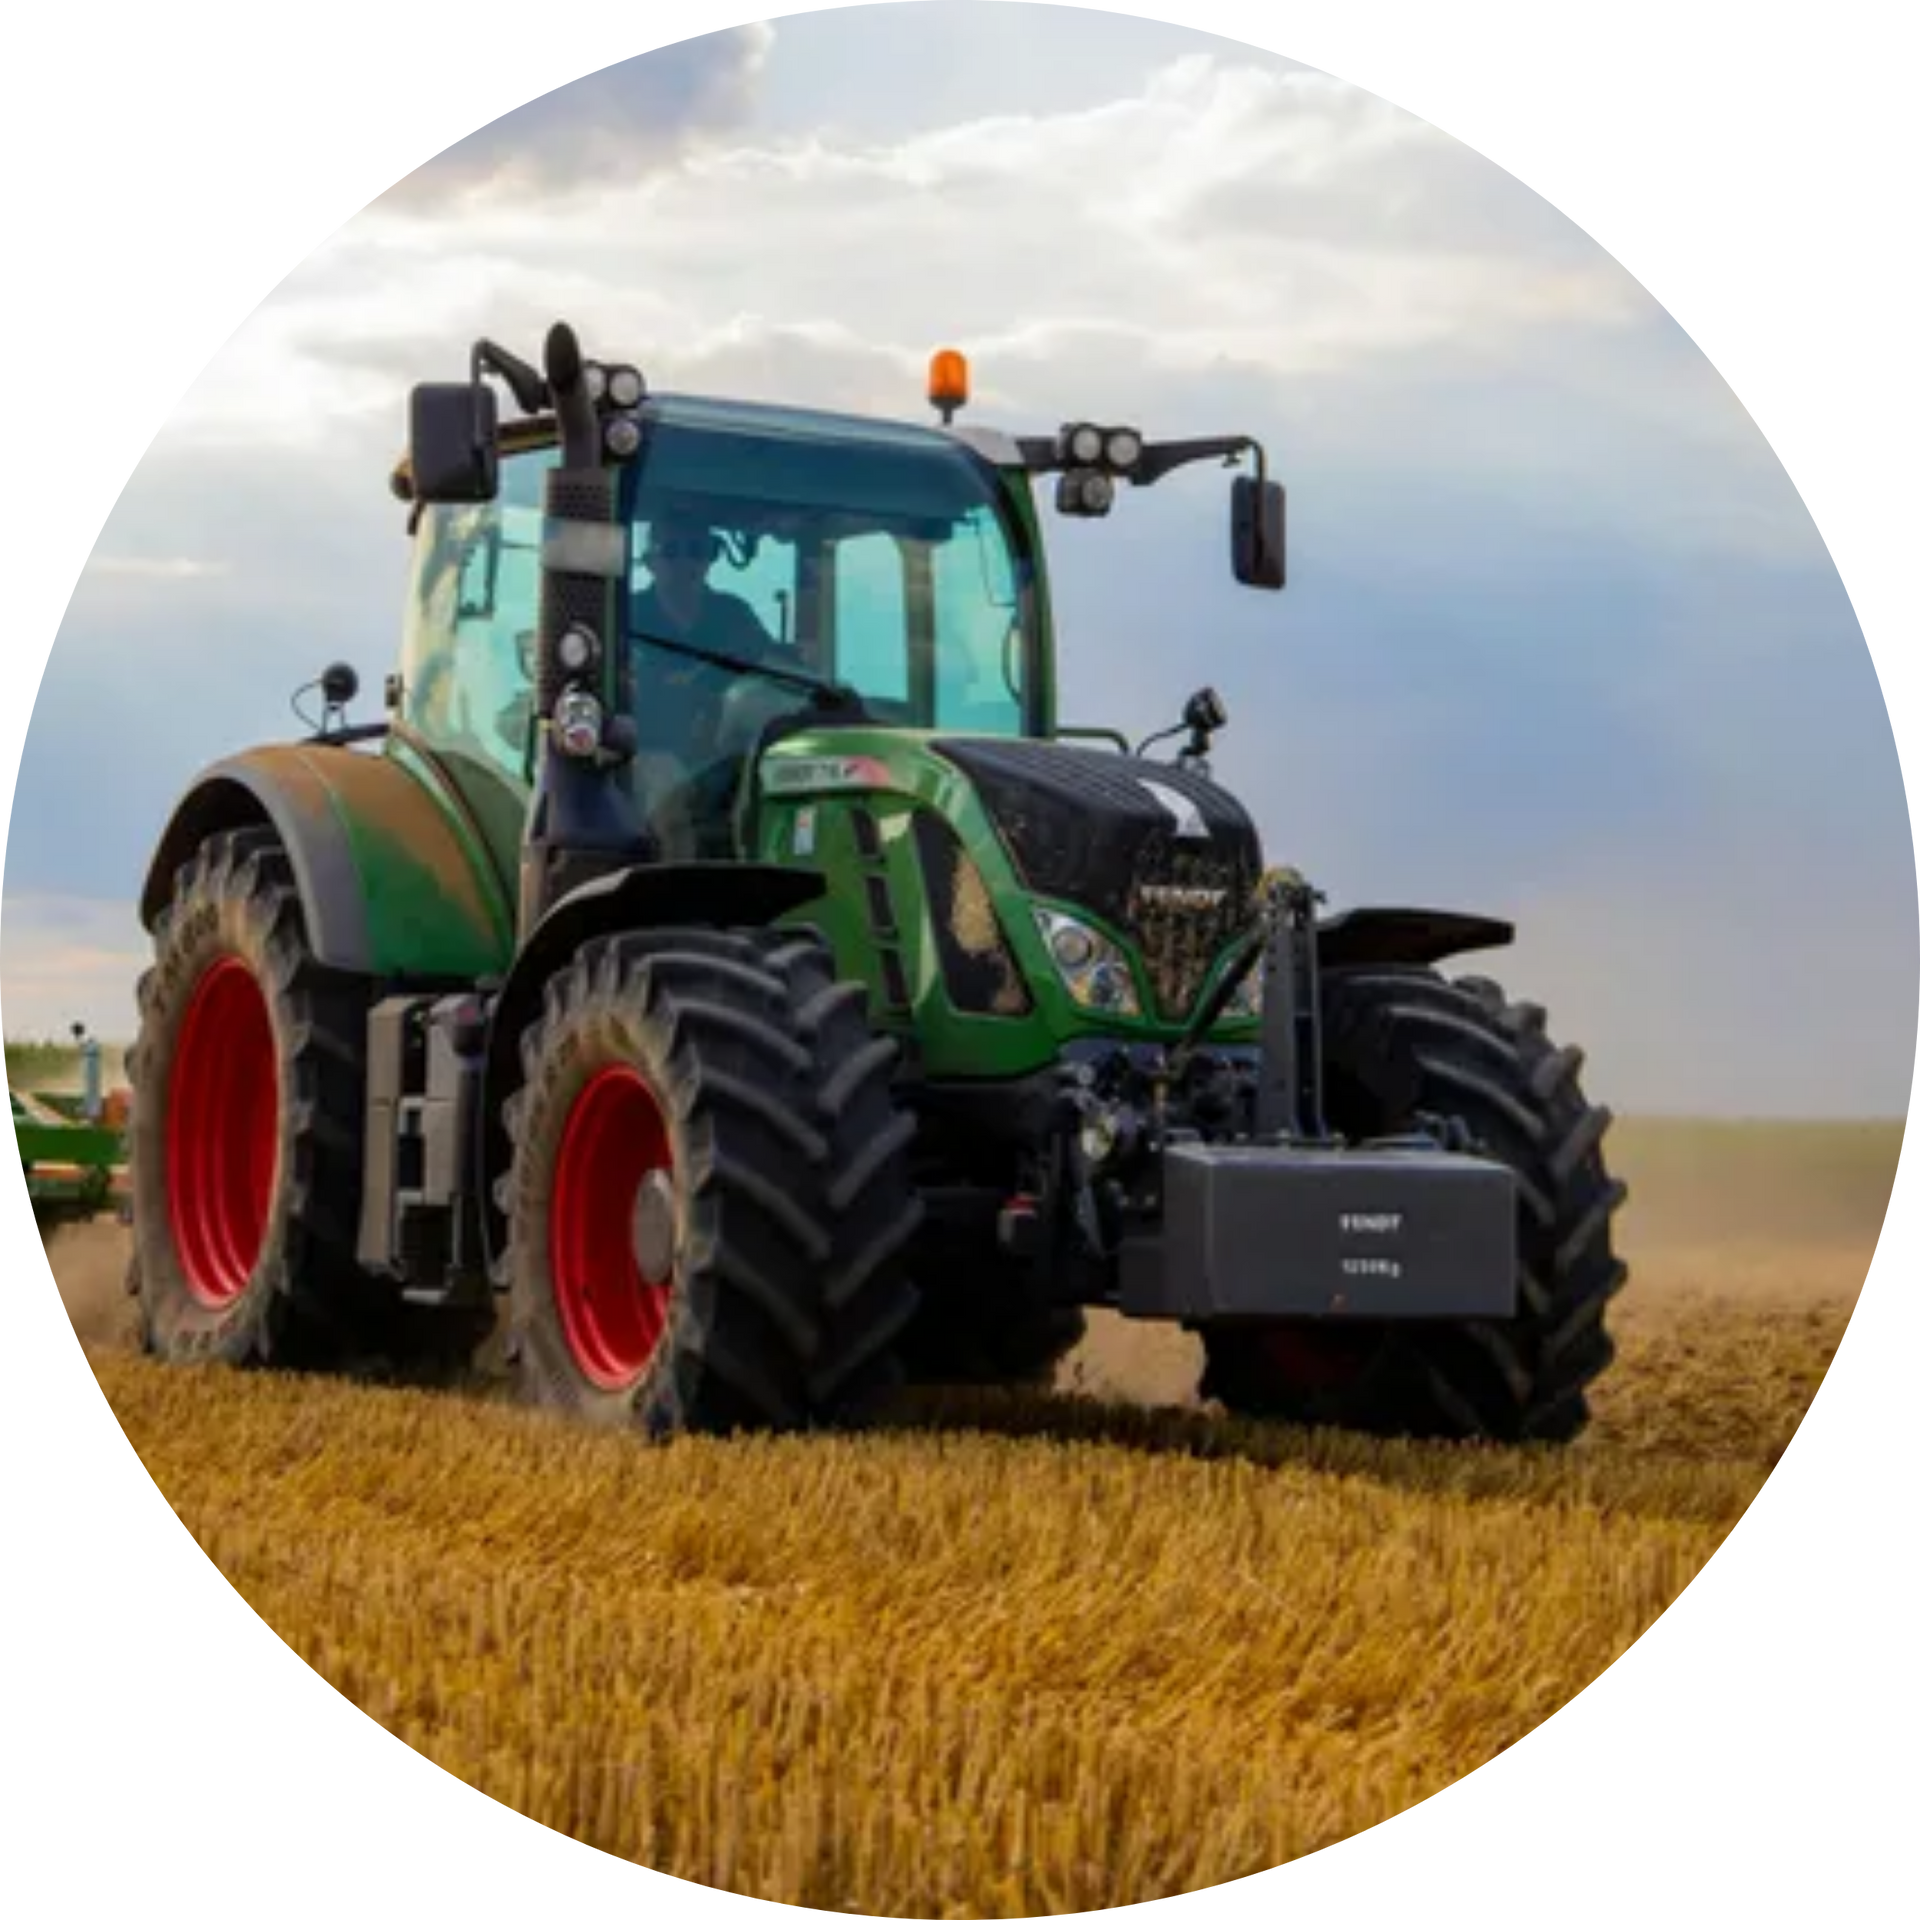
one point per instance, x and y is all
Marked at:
(223, 1133)
(612, 1312)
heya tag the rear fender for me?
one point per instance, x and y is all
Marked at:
(391, 881)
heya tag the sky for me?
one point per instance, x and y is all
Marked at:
(1560, 641)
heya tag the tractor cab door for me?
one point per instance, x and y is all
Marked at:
(467, 655)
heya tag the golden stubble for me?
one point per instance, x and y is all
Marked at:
(1020, 1654)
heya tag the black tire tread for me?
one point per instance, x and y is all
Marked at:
(311, 1305)
(791, 1291)
(1404, 1041)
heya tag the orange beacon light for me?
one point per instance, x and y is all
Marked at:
(947, 383)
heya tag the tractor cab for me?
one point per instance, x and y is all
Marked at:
(765, 559)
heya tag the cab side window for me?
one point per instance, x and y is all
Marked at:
(468, 653)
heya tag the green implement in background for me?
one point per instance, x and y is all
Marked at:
(71, 1166)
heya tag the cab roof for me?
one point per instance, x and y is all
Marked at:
(762, 419)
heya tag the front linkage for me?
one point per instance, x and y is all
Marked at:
(1199, 1183)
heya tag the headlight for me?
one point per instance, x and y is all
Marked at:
(1094, 971)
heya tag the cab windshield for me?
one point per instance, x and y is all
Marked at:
(868, 557)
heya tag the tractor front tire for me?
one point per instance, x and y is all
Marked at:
(706, 1196)
(244, 1138)
(1402, 1043)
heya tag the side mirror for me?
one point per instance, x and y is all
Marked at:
(1259, 532)
(452, 443)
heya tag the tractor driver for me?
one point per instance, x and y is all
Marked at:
(677, 699)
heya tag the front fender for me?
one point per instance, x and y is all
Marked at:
(694, 893)
(1405, 936)
(392, 881)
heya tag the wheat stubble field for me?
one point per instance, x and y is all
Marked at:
(1024, 1654)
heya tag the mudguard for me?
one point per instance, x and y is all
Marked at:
(1406, 936)
(394, 882)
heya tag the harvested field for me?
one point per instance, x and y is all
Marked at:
(1023, 1654)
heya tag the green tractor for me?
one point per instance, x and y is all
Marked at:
(746, 993)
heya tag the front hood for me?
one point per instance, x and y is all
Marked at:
(1162, 855)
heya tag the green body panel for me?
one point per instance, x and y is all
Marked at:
(485, 816)
(892, 773)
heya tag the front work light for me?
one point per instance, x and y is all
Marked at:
(1084, 446)
(577, 650)
(576, 724)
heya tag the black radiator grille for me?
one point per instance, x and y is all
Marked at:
(1184, 910)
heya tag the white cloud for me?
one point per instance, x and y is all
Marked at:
(1225, 240)
(1278, 221)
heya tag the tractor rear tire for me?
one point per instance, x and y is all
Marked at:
(706, 1195)
(1402, 1043)
(244, 1139)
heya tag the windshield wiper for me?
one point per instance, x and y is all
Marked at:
(827, 693)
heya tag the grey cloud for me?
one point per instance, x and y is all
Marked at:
(604, 129)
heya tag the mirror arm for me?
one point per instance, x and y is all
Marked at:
(1163, 456)
(1157, 459)
(527, 386)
